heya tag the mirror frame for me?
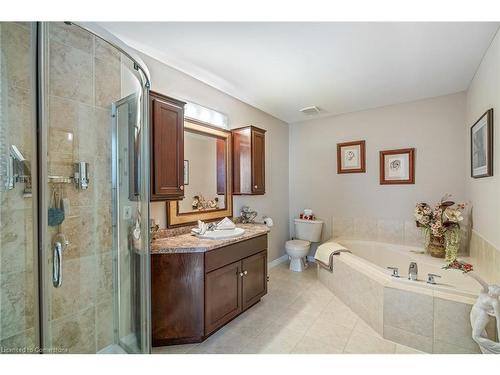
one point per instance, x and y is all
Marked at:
(174, 217)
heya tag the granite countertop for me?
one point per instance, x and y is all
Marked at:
(188, 243)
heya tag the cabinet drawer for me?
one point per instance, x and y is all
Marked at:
(225, 255)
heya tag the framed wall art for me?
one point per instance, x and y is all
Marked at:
(397, 166)
(351, 157)
(481, 146)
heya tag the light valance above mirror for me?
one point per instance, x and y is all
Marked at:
(207, 176)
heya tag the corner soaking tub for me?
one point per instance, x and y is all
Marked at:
(430, 318)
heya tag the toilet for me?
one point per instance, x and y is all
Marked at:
(306, 231)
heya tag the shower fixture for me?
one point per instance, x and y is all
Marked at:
(18, 170)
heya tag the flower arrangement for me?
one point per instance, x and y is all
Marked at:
(459, 265)
(441, 227)
(200, 204)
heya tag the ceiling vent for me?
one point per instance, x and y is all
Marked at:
(310, 111)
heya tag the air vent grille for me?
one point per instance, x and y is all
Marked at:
(313, 110)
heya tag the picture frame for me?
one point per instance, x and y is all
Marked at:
(186, 172)
(397, 166)
(481, 146)
(351, 157)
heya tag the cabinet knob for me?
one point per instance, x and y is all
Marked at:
(241, 274)
(245, 272)
(255, 186)
(181, 187)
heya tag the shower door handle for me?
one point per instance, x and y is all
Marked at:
(57, 265)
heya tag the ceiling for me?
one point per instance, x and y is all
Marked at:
(339, 67)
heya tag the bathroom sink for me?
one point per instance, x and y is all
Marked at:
(221, 234)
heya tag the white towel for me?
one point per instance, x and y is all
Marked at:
(225, 224)
(325, 250)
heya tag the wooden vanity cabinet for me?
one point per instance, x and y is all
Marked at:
(194, 294)
(167, 147)
(249, 170)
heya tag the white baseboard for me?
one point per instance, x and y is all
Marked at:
(274, 263)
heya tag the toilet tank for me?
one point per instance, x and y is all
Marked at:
(308, 230)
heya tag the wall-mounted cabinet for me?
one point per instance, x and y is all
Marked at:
(249, 172)
(167, 147)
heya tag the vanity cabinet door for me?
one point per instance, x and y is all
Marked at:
(222, 296)
(254, 280)
(167, 147)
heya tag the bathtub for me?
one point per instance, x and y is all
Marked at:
(430, 318)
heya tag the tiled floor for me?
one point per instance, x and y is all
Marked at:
(298, 315)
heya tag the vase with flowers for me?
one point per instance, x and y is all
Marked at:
(441, 227)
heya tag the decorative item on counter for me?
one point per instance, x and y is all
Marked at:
(56, 212)
(248, 215)
(487, 306)
(307, 214)
(268, 221)
(459, 265)
(441, 227)
(225, 224)
(201, 229)
(200, 204)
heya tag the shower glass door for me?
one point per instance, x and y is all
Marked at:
(94, 226)
(18, 209)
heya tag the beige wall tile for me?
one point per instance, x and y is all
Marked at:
(413, 340)
(412, 312)
(391, 231)
(78, 290)
(105, 52)
(16, 45)
(452, 324)
(71, 35)
(104, 324)
(343, 227)
(70, 73)
(365, 228)
(441, 347)
(75, 333)
(107, 82)
(412, 234)
(16, 303)
(21, 343)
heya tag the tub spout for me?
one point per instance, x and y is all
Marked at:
(413, 271)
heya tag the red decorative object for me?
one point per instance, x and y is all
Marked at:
(459, 265)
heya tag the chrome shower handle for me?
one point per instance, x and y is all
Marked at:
(57, 265)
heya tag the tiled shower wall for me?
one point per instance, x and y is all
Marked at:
(17, 279)
(84, 79)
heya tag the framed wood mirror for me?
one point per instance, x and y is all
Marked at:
(207, 176)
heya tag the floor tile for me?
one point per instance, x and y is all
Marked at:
(366, 344)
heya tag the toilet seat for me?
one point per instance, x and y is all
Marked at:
(297, 245)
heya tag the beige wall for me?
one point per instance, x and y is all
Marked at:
(433, 126)
(275, 202)
(484, 193)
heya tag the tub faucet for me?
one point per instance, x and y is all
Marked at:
(413, 271)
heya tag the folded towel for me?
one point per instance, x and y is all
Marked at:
(202, 228)
(225, 224)
(325, 252)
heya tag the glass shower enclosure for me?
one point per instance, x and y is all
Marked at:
(74, 175)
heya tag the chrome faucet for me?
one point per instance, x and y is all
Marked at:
(413, 271)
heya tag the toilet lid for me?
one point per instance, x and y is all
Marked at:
(297, 244)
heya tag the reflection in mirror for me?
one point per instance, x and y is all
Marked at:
(204, 173)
